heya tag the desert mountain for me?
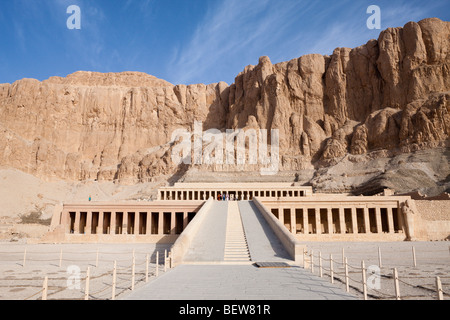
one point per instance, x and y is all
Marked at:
(358, 120)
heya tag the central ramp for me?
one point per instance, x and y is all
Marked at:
(263, 243)
(208, 244)
(235, 232)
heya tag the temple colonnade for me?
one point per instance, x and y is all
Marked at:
(108, 219)
(345, 216)
(245, 191)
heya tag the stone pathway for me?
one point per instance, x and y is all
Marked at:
(238, 282)
(219, 266)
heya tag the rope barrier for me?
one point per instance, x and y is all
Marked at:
(311, 264)
(35, 294)
(128, 276)
(127, 279)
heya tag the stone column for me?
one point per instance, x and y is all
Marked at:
(88, 228)
(100, 222)
(378, 219)
(185, 220)
(148, 227)
(342, 220)
(390, 220)
(161, 223)
(366, 220)
(401, 223)
(65, 221)
(318, 223)
(125, 223)
(293, 221)
(137, 222)
(281, 215)
(305, 221)
(330, 221)
(76, 227)
(172, 223)
(112, 227)
(354, 221)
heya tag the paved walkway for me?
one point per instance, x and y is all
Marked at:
(238, 282)
(263, 244)
(209, 242)
(207, 276)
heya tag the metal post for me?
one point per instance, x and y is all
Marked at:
(114, 281)
(379, 257)
(165, 261)
(414, 256)
(304, 257)
(157, 264)
(24, 257)
(397, 287)
(146, 267)
(364, 280)
(60, 258)
(439, 289)
(347, 285)
(45, 289)
(86, 290)
(320, 265)
(133, 272)
(331, 268)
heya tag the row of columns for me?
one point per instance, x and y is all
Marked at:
(240, 194)
(342, 223)
(107, 222)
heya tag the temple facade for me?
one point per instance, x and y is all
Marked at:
(308, 216)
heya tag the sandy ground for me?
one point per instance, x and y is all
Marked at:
(67, 282)
(415, 282)
(19, 281)
(22, 193)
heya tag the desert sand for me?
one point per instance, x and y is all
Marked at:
(19, 281)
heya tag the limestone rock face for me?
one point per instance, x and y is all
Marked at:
(99, 126)
(389, 94)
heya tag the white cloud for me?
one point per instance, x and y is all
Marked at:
(232, 29)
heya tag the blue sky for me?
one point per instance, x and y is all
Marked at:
(186, 41)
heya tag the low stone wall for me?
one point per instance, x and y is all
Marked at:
(433, 222)
(350, 237)
(182, 244)
(290, 243)
(94, 238)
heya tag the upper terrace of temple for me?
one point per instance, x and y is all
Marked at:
(236, 191)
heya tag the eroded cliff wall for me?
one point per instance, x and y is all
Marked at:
(391, 94)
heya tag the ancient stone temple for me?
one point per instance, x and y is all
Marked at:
(305, 215)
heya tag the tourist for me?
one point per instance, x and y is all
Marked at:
(219, 197)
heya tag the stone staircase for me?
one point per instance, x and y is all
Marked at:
(236, 246)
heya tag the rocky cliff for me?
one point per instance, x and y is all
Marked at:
(385, 98)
